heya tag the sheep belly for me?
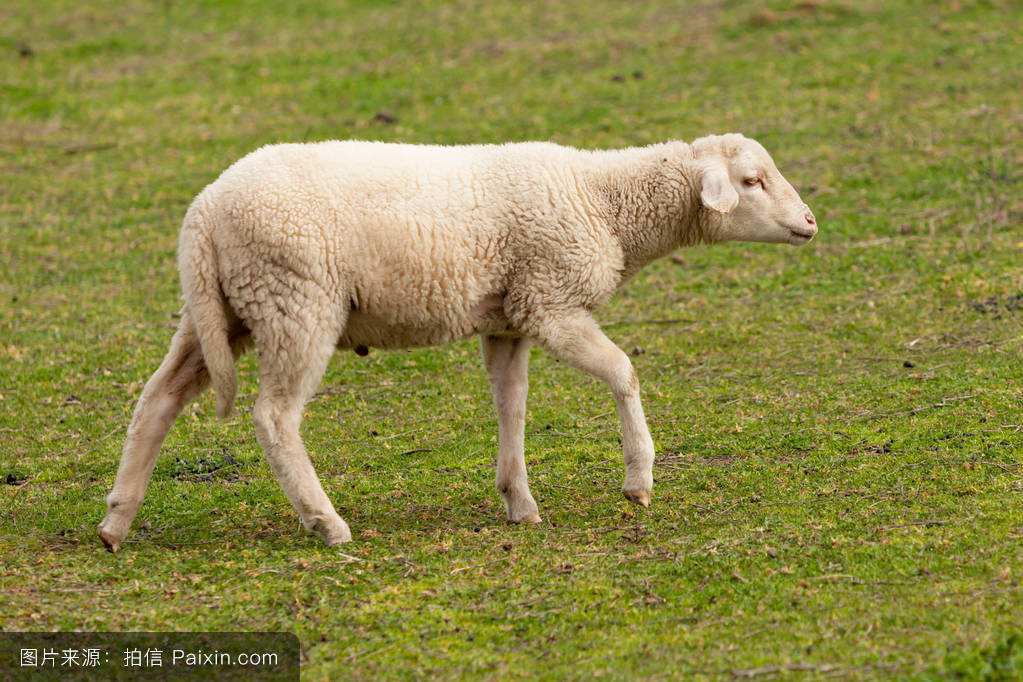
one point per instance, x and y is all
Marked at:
(410, 325)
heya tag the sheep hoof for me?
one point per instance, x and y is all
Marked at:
(339, 540)
(527, 518)
(333, 531)
(640, 497)
(339, 537)
(110, 541)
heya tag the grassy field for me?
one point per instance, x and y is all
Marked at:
(839, 482)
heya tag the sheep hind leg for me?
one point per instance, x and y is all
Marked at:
(180, 378)
(293, 355)
(507, 362)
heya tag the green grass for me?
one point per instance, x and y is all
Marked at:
(839, 430)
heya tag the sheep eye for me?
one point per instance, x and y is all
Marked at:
(752, 182)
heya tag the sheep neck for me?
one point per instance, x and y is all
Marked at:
(652, 203)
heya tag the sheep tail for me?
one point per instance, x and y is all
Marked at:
(206, 306)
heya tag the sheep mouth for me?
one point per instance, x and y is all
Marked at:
(802, 236)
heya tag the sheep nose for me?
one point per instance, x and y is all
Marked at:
(810, 220)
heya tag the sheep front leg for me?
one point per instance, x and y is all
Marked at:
(507, 362)
(577, 340)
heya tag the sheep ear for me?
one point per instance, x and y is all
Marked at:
(716, 191)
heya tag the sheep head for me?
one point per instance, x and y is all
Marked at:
(745, 197)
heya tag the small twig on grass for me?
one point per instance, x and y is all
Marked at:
(833, 577)
(839, 577)
(88, 147)
(366, 653)
(824, 668)
(78, 589)
(110, 433)
(789, 667)
(349, 558)
(927, 523)
(944, 402)
(1004, 466)
(410, 566)
(262, 571)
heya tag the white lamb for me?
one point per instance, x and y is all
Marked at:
(305, 248)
